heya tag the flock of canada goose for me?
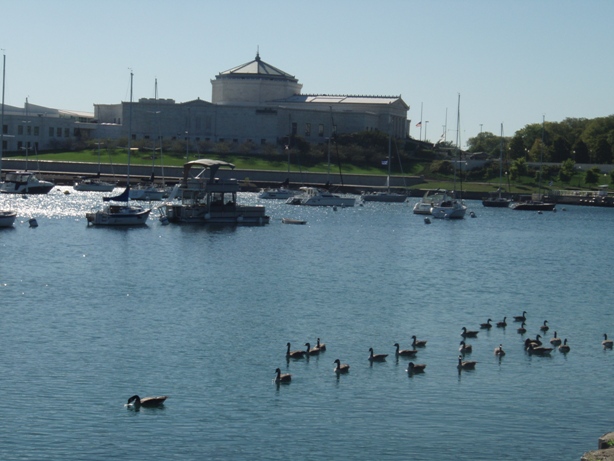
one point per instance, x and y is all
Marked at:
(531, 346)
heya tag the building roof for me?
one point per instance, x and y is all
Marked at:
(343, 99)
(257, 68)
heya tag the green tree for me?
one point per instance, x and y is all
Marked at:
(581, 153)
(518, 168)
(603, 151)
(568, 168)
(561, 149)
(484, 142)
(592, 176)
(516, 148)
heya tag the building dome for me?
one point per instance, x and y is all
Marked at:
(253, 82)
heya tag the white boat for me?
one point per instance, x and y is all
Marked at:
(122, 214)
(312, 196)
(7, 218)
(207, 199)
(93, 185)
(430, 199)
(451, 208)
(146, 192)
(24, 182)
(279, 193)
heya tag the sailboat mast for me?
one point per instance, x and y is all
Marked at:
(389, 150)
(501, 162)
(129, 131)
(457, 141)
(2, 112)
(541, 158)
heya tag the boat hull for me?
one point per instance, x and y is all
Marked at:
(455, 212)
(496, 203)
(118, 216)
(94, 187)
(533, 206)
(149, 194)
(203, 214)
(384, 197)
(7, 218)
(276, 194)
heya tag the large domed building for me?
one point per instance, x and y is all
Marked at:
(254, 103)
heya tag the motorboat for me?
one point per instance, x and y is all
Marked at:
(449, 209)
(430, 199)
(208, 199)
(279, 193)
(7, 218)
(312, 196)
(147, 192)
(122, 214)
(496, 202)
(25, 182)
(528, 204)
(93, 185)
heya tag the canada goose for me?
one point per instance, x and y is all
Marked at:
(285, 378)
(522, 330)
(321, 346)
(376, 357)
(499, 352)
(405, 352)
(502, 323)
(469, 333)
(556, 340)
(486, 325)
(417, 343)
(147, 401)
(294, 354)
(465, 348)
(467, 365)
(521, 318)
(341, 367)
(545, 326)
(535, 342)
(607, 343)
(564, 347)
(538, 350)
(415, 367)
(310, 351)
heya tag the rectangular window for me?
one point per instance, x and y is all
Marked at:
(321, 130)
(20, 129)
(5, 129)
(29, 129)
(36, 131)
(307, 129)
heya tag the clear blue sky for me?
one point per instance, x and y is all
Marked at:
(512, 62)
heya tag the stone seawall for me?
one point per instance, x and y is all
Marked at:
(65, 173)
(605, 449)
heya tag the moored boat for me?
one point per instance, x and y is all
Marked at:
(209, 199)
(312, 196)
(7, 218)
(25, 182)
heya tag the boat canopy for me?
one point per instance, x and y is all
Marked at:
(212, 165)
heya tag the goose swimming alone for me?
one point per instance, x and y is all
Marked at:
(607, 343)
(522, 330)
(487, 325)
(469, 333)
(282, 378)
(545, 326)
(465, 348)
(147, 401)
(417, 343)
(555, 341)
(341, 367)
(499, 352)
(564, 348)
(503, 323)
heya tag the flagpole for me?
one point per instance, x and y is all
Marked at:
(421, 107)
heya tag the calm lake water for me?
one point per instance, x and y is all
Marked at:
(91, 316)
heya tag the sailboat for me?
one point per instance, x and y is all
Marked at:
(498, 201)
(7, 217)
(122, 214)
(386, 196)
(452, 208)
(94, 184)
(536, 205)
